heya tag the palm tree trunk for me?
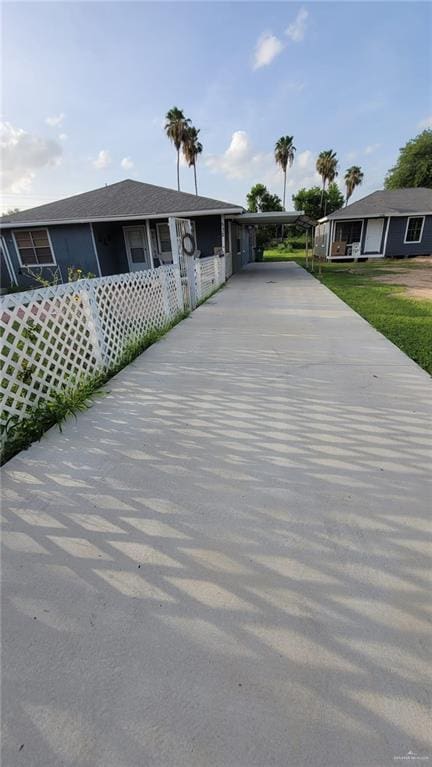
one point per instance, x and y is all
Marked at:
(178, 169)
(322, 196)
(284, 194)
(195, 179)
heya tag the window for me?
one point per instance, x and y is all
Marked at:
(414, 229)
(34, 247)
(348, 231)
(164, 238)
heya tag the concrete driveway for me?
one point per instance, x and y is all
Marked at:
(224, 563)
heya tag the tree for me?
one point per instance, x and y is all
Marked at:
(175, 128)
(334, 198)
(11, 211)
(326, 166)
(284, 155)
(192, 147)
(353, 179)
(310, 200)
(260, 200)
(414, 164)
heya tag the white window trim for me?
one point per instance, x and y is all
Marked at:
(8, 260)
(413, 242)
(39, 265)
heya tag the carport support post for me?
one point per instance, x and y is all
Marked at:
(307, 248)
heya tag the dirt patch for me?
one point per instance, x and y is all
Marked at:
(417, 281)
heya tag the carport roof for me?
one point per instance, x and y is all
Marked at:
(276, 217)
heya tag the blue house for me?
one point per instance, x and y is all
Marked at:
(389, 223)
(119, 228)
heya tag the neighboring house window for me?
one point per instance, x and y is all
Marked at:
(414, 229)
(34, 247)
(348, 231)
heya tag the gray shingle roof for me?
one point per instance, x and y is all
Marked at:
(122, 200)
(387, 202)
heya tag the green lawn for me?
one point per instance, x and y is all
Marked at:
(407, 322)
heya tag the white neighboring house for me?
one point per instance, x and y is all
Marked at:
(386, 224)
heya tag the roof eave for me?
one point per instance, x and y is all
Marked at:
(108, 219)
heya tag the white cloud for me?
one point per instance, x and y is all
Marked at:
(296, 31)
(55, 120)
(239, 160)
(127, 163)
(22, 155)
(102, 160)
(242, 161)
(267, 48)
(426, 123)
(63, 136)
(371, 148)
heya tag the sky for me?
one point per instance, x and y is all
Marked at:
(86, 86)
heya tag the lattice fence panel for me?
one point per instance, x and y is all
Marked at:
(210, 275)
(53, 337)
(131, 305)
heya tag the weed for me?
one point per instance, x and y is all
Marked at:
(18, 434)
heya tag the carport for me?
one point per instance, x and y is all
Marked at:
(278, 218)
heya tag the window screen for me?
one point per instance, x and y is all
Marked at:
(34, 247)
(414, 229)
(348, 231)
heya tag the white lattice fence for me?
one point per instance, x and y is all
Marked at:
(53, 337)
(209, 275)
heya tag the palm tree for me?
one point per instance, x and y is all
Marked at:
(192, 147)
(353, 178)
(284, 156)
(175, 128)
(326, 166)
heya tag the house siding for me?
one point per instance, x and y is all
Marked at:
(395, 240)
(72, 245)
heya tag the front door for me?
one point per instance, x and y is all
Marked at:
(137, 248)
(374, 232)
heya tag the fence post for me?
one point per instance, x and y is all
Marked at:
(190, 273)
(179, 288)
(161, 272)
(94, 325)
(221, 268)
(198, 281)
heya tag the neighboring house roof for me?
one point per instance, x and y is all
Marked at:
(387, 202)
(125, 200)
